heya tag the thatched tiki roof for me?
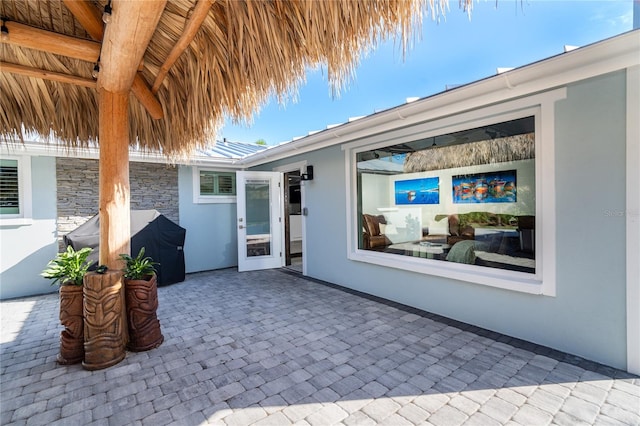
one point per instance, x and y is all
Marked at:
(241, 53)
(490, 151)
(168, 72)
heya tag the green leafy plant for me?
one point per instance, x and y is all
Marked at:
(69, 267)
(139, 267)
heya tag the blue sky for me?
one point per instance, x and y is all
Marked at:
(454, 51)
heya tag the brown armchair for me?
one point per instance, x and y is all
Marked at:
(458, 231)
(372, 237)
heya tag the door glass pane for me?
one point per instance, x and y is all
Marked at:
(258, 217)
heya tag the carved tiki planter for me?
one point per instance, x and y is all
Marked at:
(104, 321)
(142, 302)
(71, 317)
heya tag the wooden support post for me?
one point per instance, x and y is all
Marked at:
(114, 178)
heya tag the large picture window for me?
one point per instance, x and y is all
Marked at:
(463, 194)
(466, 197)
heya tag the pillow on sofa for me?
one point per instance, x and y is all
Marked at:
(462, 252)
(440, 227)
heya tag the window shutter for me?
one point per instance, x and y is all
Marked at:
(9, 189)
(207, 186)
(226, 184)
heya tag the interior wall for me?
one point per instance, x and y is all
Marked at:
(22, 262)
(378, 194)
(587, 315)
(212, 239)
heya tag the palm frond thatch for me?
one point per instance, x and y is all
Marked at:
(244, 53)
(492, 151)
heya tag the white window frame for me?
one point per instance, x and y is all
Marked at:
(25, 214)
(210, 199)
(543, 281)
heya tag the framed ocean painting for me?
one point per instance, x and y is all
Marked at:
(490, 187)
(418, 191)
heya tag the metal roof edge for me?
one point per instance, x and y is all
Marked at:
(598, 58)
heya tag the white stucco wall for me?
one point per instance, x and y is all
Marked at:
(26, 249)
(211, 239)
(587, 315)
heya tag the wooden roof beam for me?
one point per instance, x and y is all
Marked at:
(47, 75)
(125, 40)
(190, 30)
(90, 19)
(46, 41)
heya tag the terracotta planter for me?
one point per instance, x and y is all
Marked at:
(142, 302)
(104, 323)
(71, 317)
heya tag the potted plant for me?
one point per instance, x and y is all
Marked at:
(141, 299)
(68, 269)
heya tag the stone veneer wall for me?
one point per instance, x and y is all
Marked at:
(153, 186)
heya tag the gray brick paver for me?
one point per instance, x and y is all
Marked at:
(464, 404)
(498, 409)
(329, 414)
(546, 401)
(481, 419)
(166, 401)
(396, 420)
(413, 413)
(623, 399)
(44, 418)
(602, 420)
(432, 402)
(358, 418)
(83, 404)
(530, 415)
(298, 412)
(448, 416)
(380, 409)
(127, 417)
(246, 399)
(580, 409)
(77, 419)
(160, 418)
(275, 419)
(627, 416)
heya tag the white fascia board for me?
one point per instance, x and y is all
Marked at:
(42, 149)
(607, 56)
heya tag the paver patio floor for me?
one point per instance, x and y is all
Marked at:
(273, 348)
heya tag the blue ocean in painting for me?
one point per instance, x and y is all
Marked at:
(490, 187)
(418, 191)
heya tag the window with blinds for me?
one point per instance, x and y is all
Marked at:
(217, 183)
(9, 187)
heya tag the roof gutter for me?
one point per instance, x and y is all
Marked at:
(38, 148)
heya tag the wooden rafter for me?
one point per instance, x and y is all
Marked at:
(46, 41)
(47, 75)
(190, 30)
(90, 19)
(125, 41)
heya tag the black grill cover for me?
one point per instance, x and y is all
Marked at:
(162, 239)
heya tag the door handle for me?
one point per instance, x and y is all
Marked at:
(240, 227)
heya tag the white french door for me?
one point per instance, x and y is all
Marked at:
(260, 231)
